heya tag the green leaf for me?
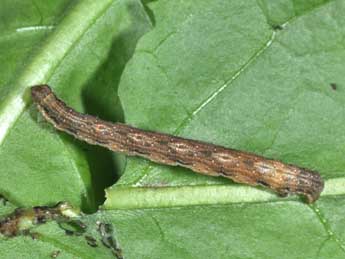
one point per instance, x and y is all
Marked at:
(226, 73)
(80, 50)
(245, 85)
(261, 76)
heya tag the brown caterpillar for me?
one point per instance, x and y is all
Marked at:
(201, 157)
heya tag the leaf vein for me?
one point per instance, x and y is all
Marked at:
(324, 222)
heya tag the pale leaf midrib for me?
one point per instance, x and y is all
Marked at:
(42, 65)
(128, 197)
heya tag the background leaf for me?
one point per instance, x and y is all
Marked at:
(38, 165)
(252, 75)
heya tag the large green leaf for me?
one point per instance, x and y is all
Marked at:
(253, 76)
(80, 50)
(261, 76)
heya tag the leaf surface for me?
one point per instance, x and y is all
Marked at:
(73, 48)
(226, 73)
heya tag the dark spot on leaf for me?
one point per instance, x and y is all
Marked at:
(73, 227)
(91, 241)
(55, 254)
(333, 86)
(107, 237)
(69, 232)
(34, 236)
(277, 27)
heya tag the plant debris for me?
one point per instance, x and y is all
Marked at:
(73, 227)
(333, 86)
(106, 231)
(91, 241)
(22, 220)
(55, 254)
